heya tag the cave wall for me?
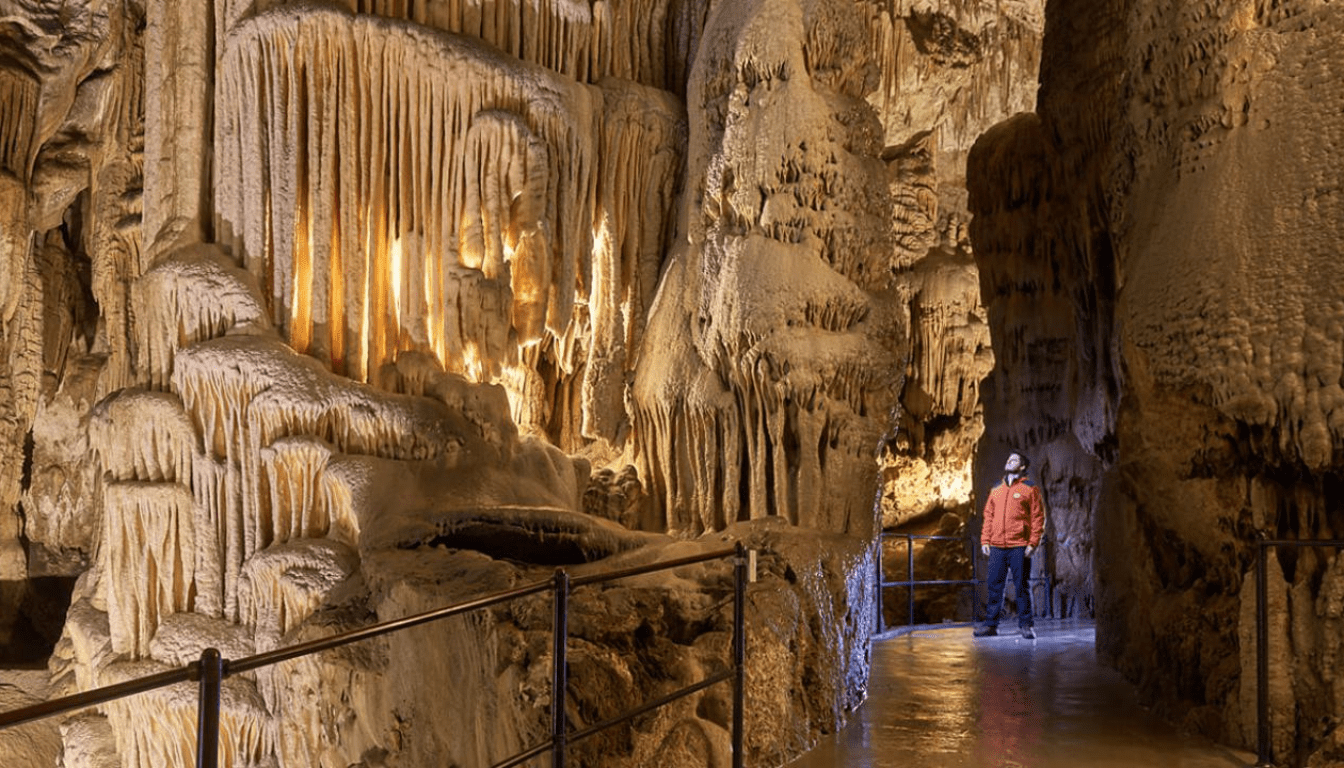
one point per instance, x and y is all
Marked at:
(318, 313)
(262, 126)
(1169, 209)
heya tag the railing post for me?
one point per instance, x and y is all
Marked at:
(1264, 745)
(739, 653)
(1049, 596)
(910, 576)
(560, 674)
(975, 577)
(879, 621)
(207, 711)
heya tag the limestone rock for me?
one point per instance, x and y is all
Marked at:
(1161, 247)
(37, 743)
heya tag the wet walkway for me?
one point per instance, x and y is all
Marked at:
(940, 698)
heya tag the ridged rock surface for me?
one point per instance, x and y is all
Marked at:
(1159, 245)
(319, 313)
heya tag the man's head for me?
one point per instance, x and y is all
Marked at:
(1016, 464)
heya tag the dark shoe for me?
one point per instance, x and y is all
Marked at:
(985, 630)
(1028, 633)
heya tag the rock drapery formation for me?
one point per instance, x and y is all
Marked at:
(1176, 238)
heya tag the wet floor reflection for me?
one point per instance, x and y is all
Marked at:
(944, 699)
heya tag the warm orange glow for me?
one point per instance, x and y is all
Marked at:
(472, 366)
(365, 323)
(336, 302)
(300, 299)
(433, 306)
(515, 379)
(394, 265)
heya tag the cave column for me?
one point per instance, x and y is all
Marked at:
(179, 62)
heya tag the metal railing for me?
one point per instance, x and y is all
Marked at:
(911, 582)
(1264, 747)
(211, 669)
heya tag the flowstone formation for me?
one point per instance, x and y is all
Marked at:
(1174, 217)
(497, 215)
(319, 313)
(825, 246)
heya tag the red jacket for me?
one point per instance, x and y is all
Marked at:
(1014, 515)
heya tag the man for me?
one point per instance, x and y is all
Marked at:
(1010, 535)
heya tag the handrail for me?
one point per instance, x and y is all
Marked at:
(910, 583)
(388, 627)
(100, 695)
(1264, 741)
(211, 669)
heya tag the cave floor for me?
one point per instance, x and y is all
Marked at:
(940, 698)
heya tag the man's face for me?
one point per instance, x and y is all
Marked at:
(1014, 463)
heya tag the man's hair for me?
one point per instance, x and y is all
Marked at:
(1026, 462)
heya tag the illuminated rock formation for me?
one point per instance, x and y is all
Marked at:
(780, 340)
(506, 219)
(262, 499)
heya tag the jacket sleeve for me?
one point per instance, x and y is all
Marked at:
(987, 516)
(1037, 517)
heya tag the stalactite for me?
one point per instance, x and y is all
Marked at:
(493, 197)
(695, 455)
(139, 435)
(244, 408)
(283, 584)
(19, 92)
(149, 536)
(24, 336)
(293, 469)
(190, 296)
(210, 484)
(981, 66)
(116, 262)
(640, 151)
(158, 728)
(405, 221)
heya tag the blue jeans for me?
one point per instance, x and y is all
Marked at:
(1001, 559)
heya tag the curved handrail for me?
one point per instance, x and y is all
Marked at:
(211, 669)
